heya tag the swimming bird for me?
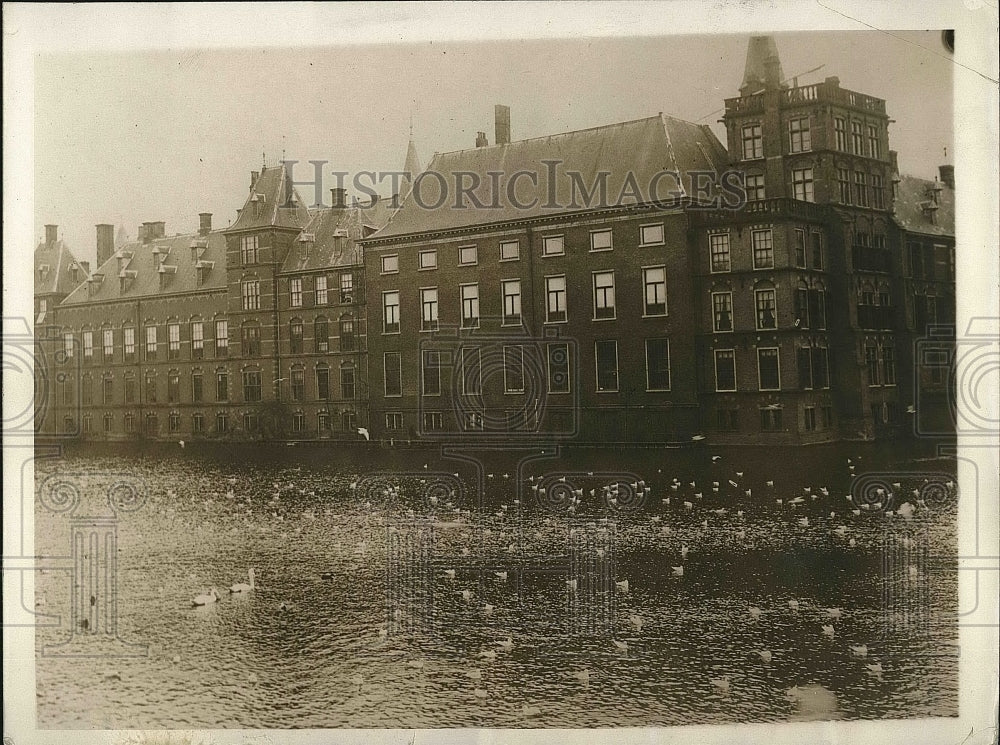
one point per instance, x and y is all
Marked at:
(688, 505)
(793, 604)
(506, 644)
(416, 664)
(488, 654)
(623, 585)
(481, 693)
(243, 587)
(755, 611)
(834, 612)
(475, 673)
(765, 655)
(583, 676)
(678, 571)
(487, 609)
(357, 681)
(467, 595)
(205, 598)
(859, 650)
(530, 711)
(906, 510)
(769, 483)
(620, 645)
(636, 621)
(828, 630)
(804, 522)
(875, 669)
(721, 683)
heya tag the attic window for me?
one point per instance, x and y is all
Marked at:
(73, 271)
(43, 269)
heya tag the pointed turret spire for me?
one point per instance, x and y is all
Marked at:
(412, 168)
(763, 68)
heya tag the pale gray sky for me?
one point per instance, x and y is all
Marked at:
(130, 137)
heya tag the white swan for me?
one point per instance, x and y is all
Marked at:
(765, 655)
(240, 587)
(206, 598)
(506, 644)
(861, 650)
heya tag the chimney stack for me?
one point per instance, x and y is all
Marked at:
(144, 233)
(204, 223)
(481, 140)
(156, 229)
(338, 198)
(105, 242)
(947, 175)
(501, 116)
(51, 234)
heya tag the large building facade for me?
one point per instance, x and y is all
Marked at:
(640, 282)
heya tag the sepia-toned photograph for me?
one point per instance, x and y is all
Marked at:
(586, 381)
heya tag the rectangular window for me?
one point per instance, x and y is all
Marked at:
(390, 312)
(600, 240)
(433, 421)
(860, 189)
(298, 421)
(820, 364)
(657, 365)
(511, 289)
(251, 295)
(173, 341)
(88, 345)
(173, 388)
(222, 422)
(754, 187)
(130, 390)
(346, 287)
(651, 235)
(393, 421)
(470, 306)
(878, 192)
(802, 308)
(251, 341)
(725, 370)
(298, 376)
(606, 358)
(840, 127)
(197, 388)
(427, 259)
(129, 422)
(429, 309)
(871, 362)
(108, 339)
(251, 386)
(68, 345)
(809, 418)
(753, 142)
(107, 391)
(151, 342)
(430, 372)
(770, 419)
(768, 374)
(858, 138)
(322, 294)
(221, 385)
(553, 245)
(150, 388)
(874, 143)
(555, 299)
(197, 340)
(390, 264)
(295, 292)
(513, 369)
(558, 367)
(722, 311)
(844, 185)
(799, 138)
(604, 295)
(109, 422)
(766, 312)
(510, 251)
(654, 283)
(347, 382)
(802, 184)
(323, 383)
(222, 338)
(472, 373)
(87, 391)
(763, 249)
(468, 255)
(248, 249)
(817, 250)
(827, 412)
(393, 374)
(727, 420)
(888, 364)
(719, 248)
(800, 248)
(296, 336)
(323, 421)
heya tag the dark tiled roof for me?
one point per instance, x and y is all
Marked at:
(58, 262)
(266, 203)
(329, 240)
(643, 148)
(913, 196)
(140, 267)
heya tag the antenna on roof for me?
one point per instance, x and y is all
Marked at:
(263, 160)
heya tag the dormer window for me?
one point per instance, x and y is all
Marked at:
(73, 269)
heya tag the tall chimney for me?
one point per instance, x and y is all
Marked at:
(947, 175)
(105, 242)
(338, 198)
(51, 234)
(204, 223)
(481, 140)
(158, 229)
(144, 233)
(501, 116)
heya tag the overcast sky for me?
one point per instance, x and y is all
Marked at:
(130, 137)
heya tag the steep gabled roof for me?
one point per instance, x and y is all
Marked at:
(139, 264)
(54, 267)
(272, 202)
(915, 204)
(636, 151)
(330, 238)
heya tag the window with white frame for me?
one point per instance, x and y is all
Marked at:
(768, 374)
(347, 287)
(555, 299)
(763, 249)
(725, 370)
(802, 184)
(88, 345)
(429, 309)
(322, 294)
(654, 290)
(470, 306)
(651, 235)
(295, 292)
(251, 295)
(427, 259)
(840, 128)
(221, 338)
(510, 250)
(657, 365)
(468, 255)
(799, 137)
(604, 295)
(108, 343)
(390, 312)
(511, 289)
(151, 342)
(248, 249)
(129, 342)
(718, 244)
(753, 142)
(197, 340)
(766, 311)
(390, 264)
(601, 240)
(173, 340)
(69, 344)
(553, 245)
(754, 185)
(874, 142)
(722, 311)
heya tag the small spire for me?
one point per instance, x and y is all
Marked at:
(763, 66)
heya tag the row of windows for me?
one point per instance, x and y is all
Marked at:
(880, 362)
(810, 309)
(812, 362)
(857, 143)
(552, 245)
(861, 190)
(251, 422)
(654, 294)
(762, 245)
(517, 362)
(772, 419)
(321, 293)
(862, 140)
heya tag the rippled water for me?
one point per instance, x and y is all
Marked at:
(357, 621)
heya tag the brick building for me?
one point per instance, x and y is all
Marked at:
(605, 285)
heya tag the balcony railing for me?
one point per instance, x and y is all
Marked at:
(828, 92)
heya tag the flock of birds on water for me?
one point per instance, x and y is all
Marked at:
(592, 510)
